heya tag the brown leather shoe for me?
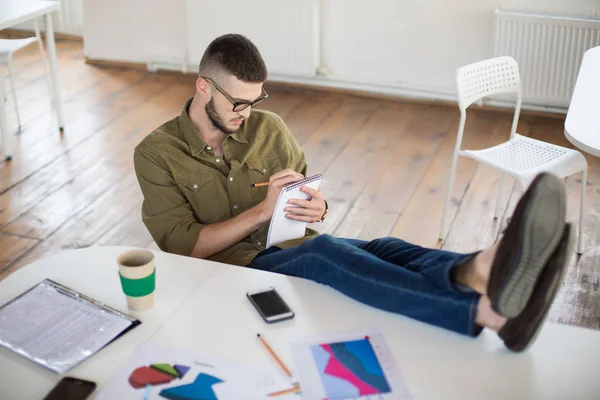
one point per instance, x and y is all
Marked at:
(530, 238)
(519, 333)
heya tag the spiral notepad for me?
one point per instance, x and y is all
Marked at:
(282, 228)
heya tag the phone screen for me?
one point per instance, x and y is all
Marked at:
(71, 389)
(270, 303)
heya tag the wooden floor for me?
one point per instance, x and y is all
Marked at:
(386, 167)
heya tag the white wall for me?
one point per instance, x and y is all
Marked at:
(286, 42)
(419, 44)
(405, 47)
(135, 30)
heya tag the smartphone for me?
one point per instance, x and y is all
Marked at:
(69, 388)
(270, 305)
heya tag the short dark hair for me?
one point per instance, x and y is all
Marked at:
(236, 55)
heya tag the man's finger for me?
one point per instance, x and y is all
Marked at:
(304, 203)
(312, 192)
(284, 173)
(298, 217)
(302, 211)
(284, 181)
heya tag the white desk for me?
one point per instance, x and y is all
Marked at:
(208, 312)
(14, 12)
(582, 126)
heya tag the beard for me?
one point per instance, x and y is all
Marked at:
(216, 119)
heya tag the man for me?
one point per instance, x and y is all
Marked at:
(196, 171)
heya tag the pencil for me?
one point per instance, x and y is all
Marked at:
(275, 357)
(295, 389)
(259, 184)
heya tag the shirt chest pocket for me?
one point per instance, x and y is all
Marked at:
(260, 170)
(203, 193)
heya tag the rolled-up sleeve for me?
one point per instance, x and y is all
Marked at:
(166, 212)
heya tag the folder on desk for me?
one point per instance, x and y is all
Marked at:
(281, 227)
(57, 327)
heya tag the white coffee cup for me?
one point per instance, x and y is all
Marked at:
(138, 279)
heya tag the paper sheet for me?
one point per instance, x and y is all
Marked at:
(353, 365)
(55, 330)
(169, 373)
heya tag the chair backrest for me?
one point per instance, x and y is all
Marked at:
(485, 78)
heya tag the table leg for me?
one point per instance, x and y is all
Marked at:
(7, 136)
(54, 71)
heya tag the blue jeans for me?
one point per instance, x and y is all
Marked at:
(387, 273)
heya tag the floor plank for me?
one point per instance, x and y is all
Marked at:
(308, 115)
(403, 165)
(42, 143)
(12, 247)
(351, 171)
(88, 225)
(80, 172)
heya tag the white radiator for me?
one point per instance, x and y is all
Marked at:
(548, 49)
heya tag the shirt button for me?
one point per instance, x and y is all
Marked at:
(235, 206)
(208, 148)
(264, 170)
(195, 186)
(231, 179)
(218, 160)
(259, 243)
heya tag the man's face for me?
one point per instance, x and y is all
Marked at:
(220, 110)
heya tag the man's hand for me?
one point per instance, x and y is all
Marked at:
(306, 210)
(277, 182)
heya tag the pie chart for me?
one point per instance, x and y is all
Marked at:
(156, 374)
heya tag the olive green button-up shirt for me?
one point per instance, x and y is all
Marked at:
(187, 186)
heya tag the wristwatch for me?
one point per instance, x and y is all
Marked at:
(325, 213)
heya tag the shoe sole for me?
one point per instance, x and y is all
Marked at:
(542, 230)
(553, 290)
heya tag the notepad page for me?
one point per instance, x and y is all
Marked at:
(281, 227)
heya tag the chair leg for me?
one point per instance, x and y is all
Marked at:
(14, 92)
(499, 196)
(582, 211)
(449, 195)
(38, 35)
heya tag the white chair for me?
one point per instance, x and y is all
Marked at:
(520, 156)
(8, 47)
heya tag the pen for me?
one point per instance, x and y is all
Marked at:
(275, 357)
(259, 184)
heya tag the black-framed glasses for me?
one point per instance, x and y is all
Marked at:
(239, 105)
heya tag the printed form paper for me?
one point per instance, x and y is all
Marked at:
(55, 330)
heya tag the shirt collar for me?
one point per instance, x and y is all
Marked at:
(192, 137)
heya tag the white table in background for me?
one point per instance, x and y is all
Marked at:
(14, 12)
(207, 312)
(582, 126)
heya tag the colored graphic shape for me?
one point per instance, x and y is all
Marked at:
(142, 376)
(200, 389)
(166, 368)
(181, 369)
(349, 369)
(358, 356)
(334, 386)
